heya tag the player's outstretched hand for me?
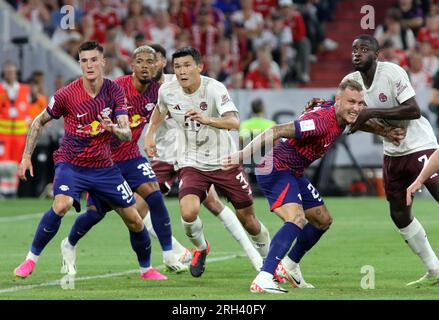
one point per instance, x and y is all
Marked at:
(361, 119)
(232, 161)
(411, 190)
(311, 104)
(25, 165)
(106, 122)
(150, 147)
(395, 135)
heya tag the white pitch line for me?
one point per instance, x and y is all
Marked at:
(102, 276)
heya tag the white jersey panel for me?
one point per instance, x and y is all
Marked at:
(199, 146)
(391, 87)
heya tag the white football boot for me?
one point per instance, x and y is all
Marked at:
(68, 253)
(263, 283)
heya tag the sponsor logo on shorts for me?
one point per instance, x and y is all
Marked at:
(64, 187)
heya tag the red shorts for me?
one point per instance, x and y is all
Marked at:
(233, 184)
(400, 172)
(165, 173)
(12, 147)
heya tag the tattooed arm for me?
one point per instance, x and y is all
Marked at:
(32, 138)
(121, 130)
(286, 130)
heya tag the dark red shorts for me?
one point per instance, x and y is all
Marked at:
(400, 172)
(165, 173)
(233, 184)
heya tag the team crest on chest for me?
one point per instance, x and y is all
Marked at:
(149, 106)
(106, 112)
(382, 97)
(203, 106)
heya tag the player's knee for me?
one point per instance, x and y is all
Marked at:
(213, 205)
(135, 224)
(62, 205)
(296, 217)
(326, 222)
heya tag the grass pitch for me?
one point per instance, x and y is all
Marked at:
(362, 238)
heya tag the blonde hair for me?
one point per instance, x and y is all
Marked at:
(143, 49)
(351, 84)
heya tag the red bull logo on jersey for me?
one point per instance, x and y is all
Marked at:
(92, 129)
(136, 120)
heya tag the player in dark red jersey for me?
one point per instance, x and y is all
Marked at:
(290, 195)
(141, 92)
(83, 161)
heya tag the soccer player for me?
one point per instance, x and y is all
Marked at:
(163, 166)
(141, 92)
(391, 99)
(83, 161)
(204, 113)
(289, 193)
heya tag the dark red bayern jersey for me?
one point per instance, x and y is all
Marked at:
(140, 107)
(86, 143)
(316, 132)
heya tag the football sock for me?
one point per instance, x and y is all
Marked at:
(194, 231)
(83, 223)
(415, 236)
(160, 220)
(177, 247)
(262, 241)
(280, 244)
(141, 244)
(232, 224)
(306, 239)
(46, 230)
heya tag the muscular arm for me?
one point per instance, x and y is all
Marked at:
(408, 110)
(229, 120)
(34, 133)
(157, 118)
(122, 130)
(286, 130)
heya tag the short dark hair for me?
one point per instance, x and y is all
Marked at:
(159, 48)
(187, 51)
(370, 39)
(90, 45)
(257, 106)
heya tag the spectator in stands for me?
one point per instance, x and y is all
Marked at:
(125, 36)
(402, 38)
(294, 20)
(180, 15)
(388, 52)
(412, 15)
(136, 11)
(14, 120)
(430, 63)
(418, 77)
(263, 76)
(264, 7)
(155, 6)
(38, 14)
(163, 31)
(430, 32)
(204, 35)
(227, 7)
(253, 21)
(67, 39)
(112, 70)
(241, 47)
(314, 28)
(104, 17)
(279, 39)
(214, 69)
(216, 17)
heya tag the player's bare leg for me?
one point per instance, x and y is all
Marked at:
(233, 225)
(193, 226)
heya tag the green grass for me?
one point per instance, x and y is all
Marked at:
(362, 234)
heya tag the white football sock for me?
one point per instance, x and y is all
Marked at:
(194, 231)
(415, 236)
(232, 224)
(32, 256)
(177, 248)
(261, 241)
